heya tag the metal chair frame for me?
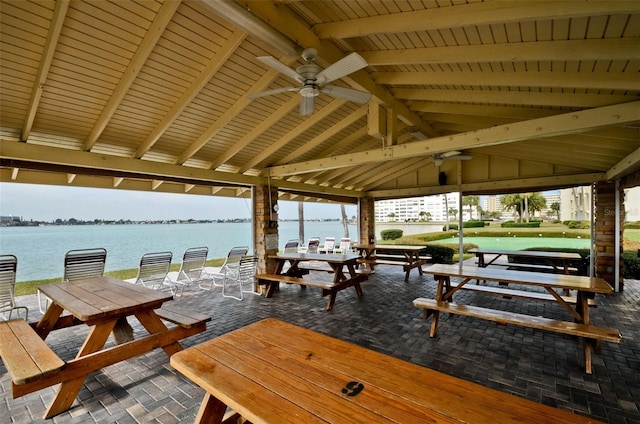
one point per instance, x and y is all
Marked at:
(8, 269)
(78, 265)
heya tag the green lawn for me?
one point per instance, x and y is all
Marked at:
(29, 287)
(633, 235)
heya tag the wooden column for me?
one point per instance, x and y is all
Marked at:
(367, 220)
(265, 226)
(605, 227)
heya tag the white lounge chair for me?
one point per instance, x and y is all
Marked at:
(344, 247)
(191, 269)
(8, 268)
(311, 246)
(78, 265)
(242, 275)
(153, 270)
(292, 246)
(328, 246)
(215, 275)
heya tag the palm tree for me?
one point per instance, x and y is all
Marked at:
(422, 215)
(555, 208)
(391, 216)
(301, 220)
(512, 202)
(471, 201)
(535, 203)
(345, 224)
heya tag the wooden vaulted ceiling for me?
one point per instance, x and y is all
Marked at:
(152, 95)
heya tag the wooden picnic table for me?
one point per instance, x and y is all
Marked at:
(586, 288)
(343, 268)
(548, 257)
(395, 254)
(275, 372)
(103, 303)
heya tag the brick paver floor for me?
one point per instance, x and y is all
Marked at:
(541, 366)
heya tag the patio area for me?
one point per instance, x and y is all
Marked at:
(541, 366)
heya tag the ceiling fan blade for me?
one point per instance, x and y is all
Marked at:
(450, 153)
(274, 91)
(346, 93)
(461, 157)
(307, 105)
(344, 66)
(281, 67)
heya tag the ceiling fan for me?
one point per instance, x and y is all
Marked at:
(313, 79)
(438, 158)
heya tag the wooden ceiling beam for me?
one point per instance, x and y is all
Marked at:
(494, 187)
(217, 61)
(505, 97)
(627, 165)
(547, 79)
(57, 20)
(345, 123)
(289, 24)
(591, 49)
(307, 124)
(469, 15)
(520, 113)
(162, 19)
(568, 123)
(397, 172)
(263, 126)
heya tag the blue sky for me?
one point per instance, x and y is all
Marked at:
(47, 203)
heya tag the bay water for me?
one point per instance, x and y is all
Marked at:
(40, 250)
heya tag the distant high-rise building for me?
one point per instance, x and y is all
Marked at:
(433, 208)
(575, 204)
(632, 204)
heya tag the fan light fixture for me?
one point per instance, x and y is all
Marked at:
(313, 79)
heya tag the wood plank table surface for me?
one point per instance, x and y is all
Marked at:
(586, 287)
(411, 256)
(102, 303)
(275, 372)
(343, 268)
(548, 257)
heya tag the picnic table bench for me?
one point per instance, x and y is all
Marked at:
(408, 257)
(102, 303)
(341, 266)
(586, 287)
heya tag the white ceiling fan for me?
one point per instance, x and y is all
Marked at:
(313, 79)
(438, 158)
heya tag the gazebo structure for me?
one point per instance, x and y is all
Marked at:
(475, 97)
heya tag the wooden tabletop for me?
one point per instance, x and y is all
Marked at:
(102, 297)
(558, 281)
(274, 372)
(316, 257)
(397, 247)
(529, 253)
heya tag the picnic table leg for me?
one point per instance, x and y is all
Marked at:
(48, 320)
(153, 324)
(442, 280)
(354, 274)
(332, 300)
(588, 345)
(68, 390)
(211, 411)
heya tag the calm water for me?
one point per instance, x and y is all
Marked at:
(41, 250)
